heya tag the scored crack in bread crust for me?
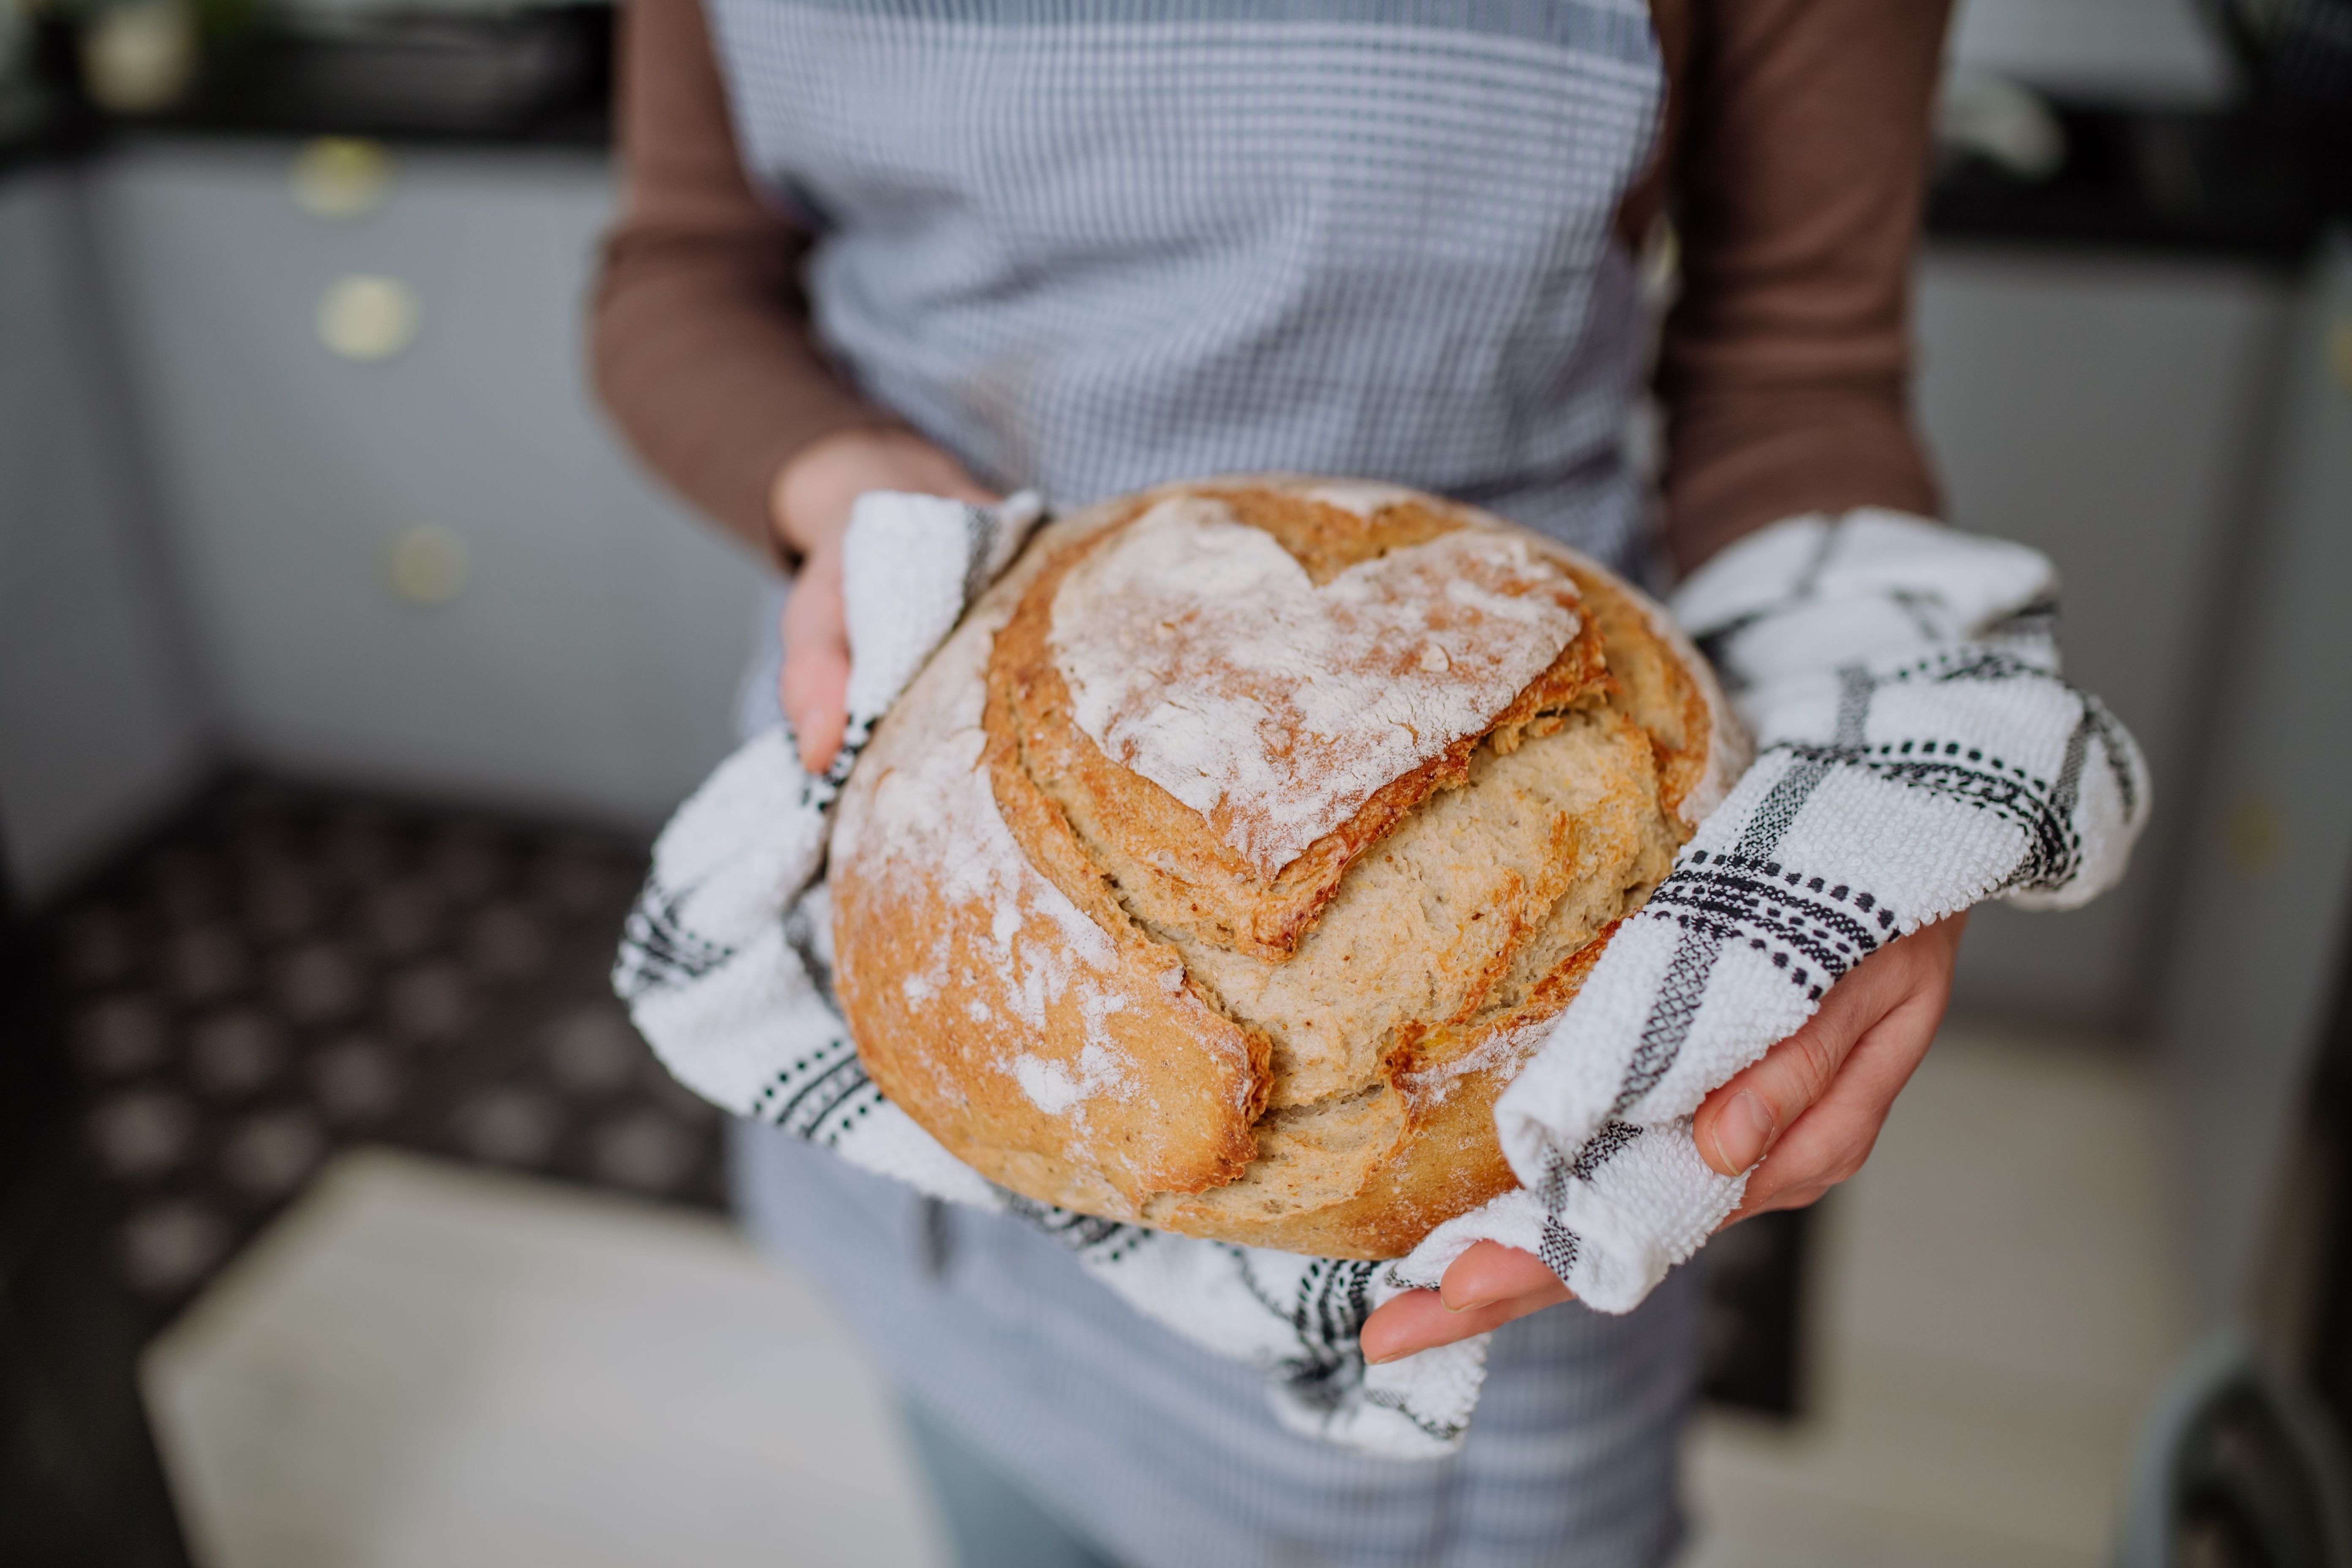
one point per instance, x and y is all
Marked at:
(1292, 1042)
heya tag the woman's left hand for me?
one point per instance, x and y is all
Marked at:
(1810, 1110)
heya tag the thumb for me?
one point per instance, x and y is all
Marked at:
(1737, 1124)
(814, 686)
(815, 699)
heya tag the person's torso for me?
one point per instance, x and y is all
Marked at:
(1092, 247)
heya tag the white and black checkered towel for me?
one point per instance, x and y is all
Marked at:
(1919, 754)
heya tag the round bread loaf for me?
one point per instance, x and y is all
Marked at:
(1232, 855)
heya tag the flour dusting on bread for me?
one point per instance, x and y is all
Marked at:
(1364, 497)
(1505, 1049)
(935, 821)
(1199, 654)
(1054, 1088)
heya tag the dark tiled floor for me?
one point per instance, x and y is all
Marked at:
(283, 971)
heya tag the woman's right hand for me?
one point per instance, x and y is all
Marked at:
(809, 504)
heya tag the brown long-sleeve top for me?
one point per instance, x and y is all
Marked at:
(1794, 162)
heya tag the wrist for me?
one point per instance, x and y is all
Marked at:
(807, 511)
(810, 499)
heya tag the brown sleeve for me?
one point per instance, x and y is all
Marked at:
(1802, 166)
(701, 337)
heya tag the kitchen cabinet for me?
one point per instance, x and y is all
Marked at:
(2179, 437)
(101, 724)
(2109, 410)
(2254, 966)
(412, 554)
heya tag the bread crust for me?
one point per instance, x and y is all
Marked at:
(1086, 989)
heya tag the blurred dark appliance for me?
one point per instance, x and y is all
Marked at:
(2225, 183)
(2298, 53)
(2331, 1129)
(2237, 1470)
(1757, 1311)
(409, 72)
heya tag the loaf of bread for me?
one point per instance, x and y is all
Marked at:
(1233, 854)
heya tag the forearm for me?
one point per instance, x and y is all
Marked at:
(1799, 177)
(713, 377)
(1749, 456)
(700, 337)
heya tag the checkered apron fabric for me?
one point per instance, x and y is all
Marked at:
(1092, 247)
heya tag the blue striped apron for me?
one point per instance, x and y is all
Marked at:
(1094, 244)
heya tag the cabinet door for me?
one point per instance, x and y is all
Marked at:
(99, 725)
(2257, 954)
(2105, 411)
(578, 646)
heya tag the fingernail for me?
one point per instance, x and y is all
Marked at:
(1384, 1360)
(1470, 1306)
(1743, 1131)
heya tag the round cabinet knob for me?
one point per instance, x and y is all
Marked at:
(140, 57)
(366, 318)
(426, 565)
(2253, 836)
(340, 176)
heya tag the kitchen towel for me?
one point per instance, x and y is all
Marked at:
(1918, 752)
(726, 962)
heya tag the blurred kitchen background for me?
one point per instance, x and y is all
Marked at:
(347, 665)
